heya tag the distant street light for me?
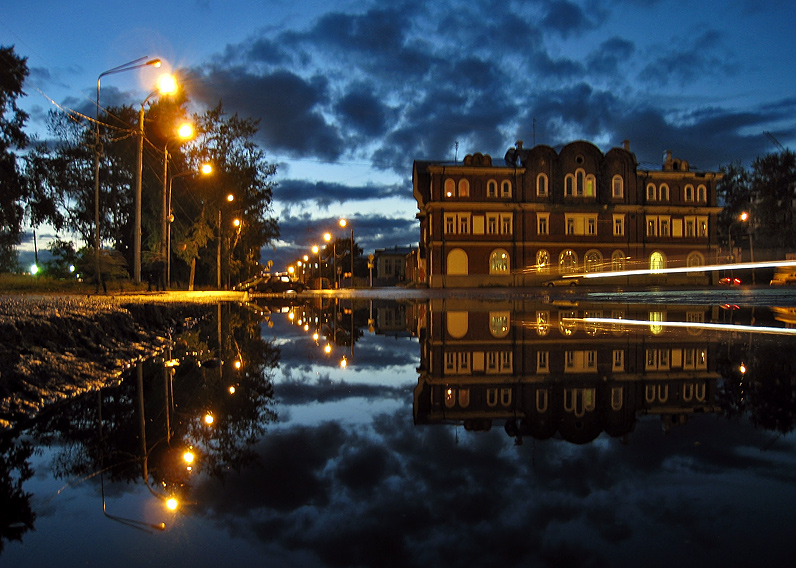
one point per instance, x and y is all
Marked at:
(166, 85)
(343, 223)
(129, 66)
(230, 199)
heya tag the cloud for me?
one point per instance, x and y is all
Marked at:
(684, 60)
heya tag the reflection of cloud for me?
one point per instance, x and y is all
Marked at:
(324, 389)
(392, 494)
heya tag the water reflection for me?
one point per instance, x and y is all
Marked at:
(448, 415)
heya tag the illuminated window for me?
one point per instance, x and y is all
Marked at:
(450, 187)
(464, 188)
(617, 260)
(499, 262)
(657, 261)
(542, 261)
(591, 185)
(568, 262)
(592, 261)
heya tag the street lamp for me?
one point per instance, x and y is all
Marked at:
(206, 169)
(230, 199)
(343, 223)
(184, 132)
(166, 84)
(744, 217)
(316, 250)
(129, 66)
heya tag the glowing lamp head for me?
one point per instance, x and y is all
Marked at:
(188, 457)
(328, 348)
(171, 504)
(744, 216)
(208, 419)
(185, 131)
(207, 169)
(327, 237)
(167, 84)
(343, 222)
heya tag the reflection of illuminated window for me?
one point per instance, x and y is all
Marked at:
(450, 398)
(617, 260)
(617, 315)
(464, 398)
(657, 261)
(593, 261)
(655, 325)
(491, 397)
(580, 361)
(579, 401)
(567, 262)
(505, 396)
(499, 323)
(591, 327)
(566, 323)
(457, 324)
(542, 323)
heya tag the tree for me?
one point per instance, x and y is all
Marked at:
(241, 170)
(13, 190)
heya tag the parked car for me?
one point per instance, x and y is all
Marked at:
(730, 281)
(280, 282)
(561, 282)
(782, 278)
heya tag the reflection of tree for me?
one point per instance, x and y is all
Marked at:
(767, 388)
(16, 516)
(102, 432)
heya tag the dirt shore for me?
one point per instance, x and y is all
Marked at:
(58, 346)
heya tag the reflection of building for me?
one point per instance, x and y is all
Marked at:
(546, 372)
(543, 213)
(390, 265)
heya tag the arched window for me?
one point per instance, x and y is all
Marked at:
(688, 193)
(499, 262)
(569, 185)
(457, 323)
(591, 185)
(457, 262)
(505, 188)
(491, 188)
(579, 181)
(542, 261)
(663, 192)
(695, 259)
(541, 185)
(702, 193)
(464, 188)
(651, 194)
(568, 262)
(592, 261)
(657, 261)
(450, 187)
(617, 260)
(617, 187)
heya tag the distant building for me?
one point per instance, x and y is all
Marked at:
(390, 265)
(543, 214)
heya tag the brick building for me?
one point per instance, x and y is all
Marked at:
(542, 213)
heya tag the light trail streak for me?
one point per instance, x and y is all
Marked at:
(687, 324)
(682, 269)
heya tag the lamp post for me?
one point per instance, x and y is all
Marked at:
(206, 169)
(129, 66)
(343, 223)
(166, 85)
(184, 132)
(744, 217)
(230, 199)
(316, 250)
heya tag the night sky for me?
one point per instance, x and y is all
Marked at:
(350, 93)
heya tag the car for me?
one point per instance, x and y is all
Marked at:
(251, 284)
(730, 281)
(783, 278)
(279, 282)
(561, 282)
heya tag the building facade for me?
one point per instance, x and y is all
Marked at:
(544, 214)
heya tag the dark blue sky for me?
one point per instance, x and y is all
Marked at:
(350, 93)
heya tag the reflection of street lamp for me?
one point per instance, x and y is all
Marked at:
(167, 84)
(138, 63)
